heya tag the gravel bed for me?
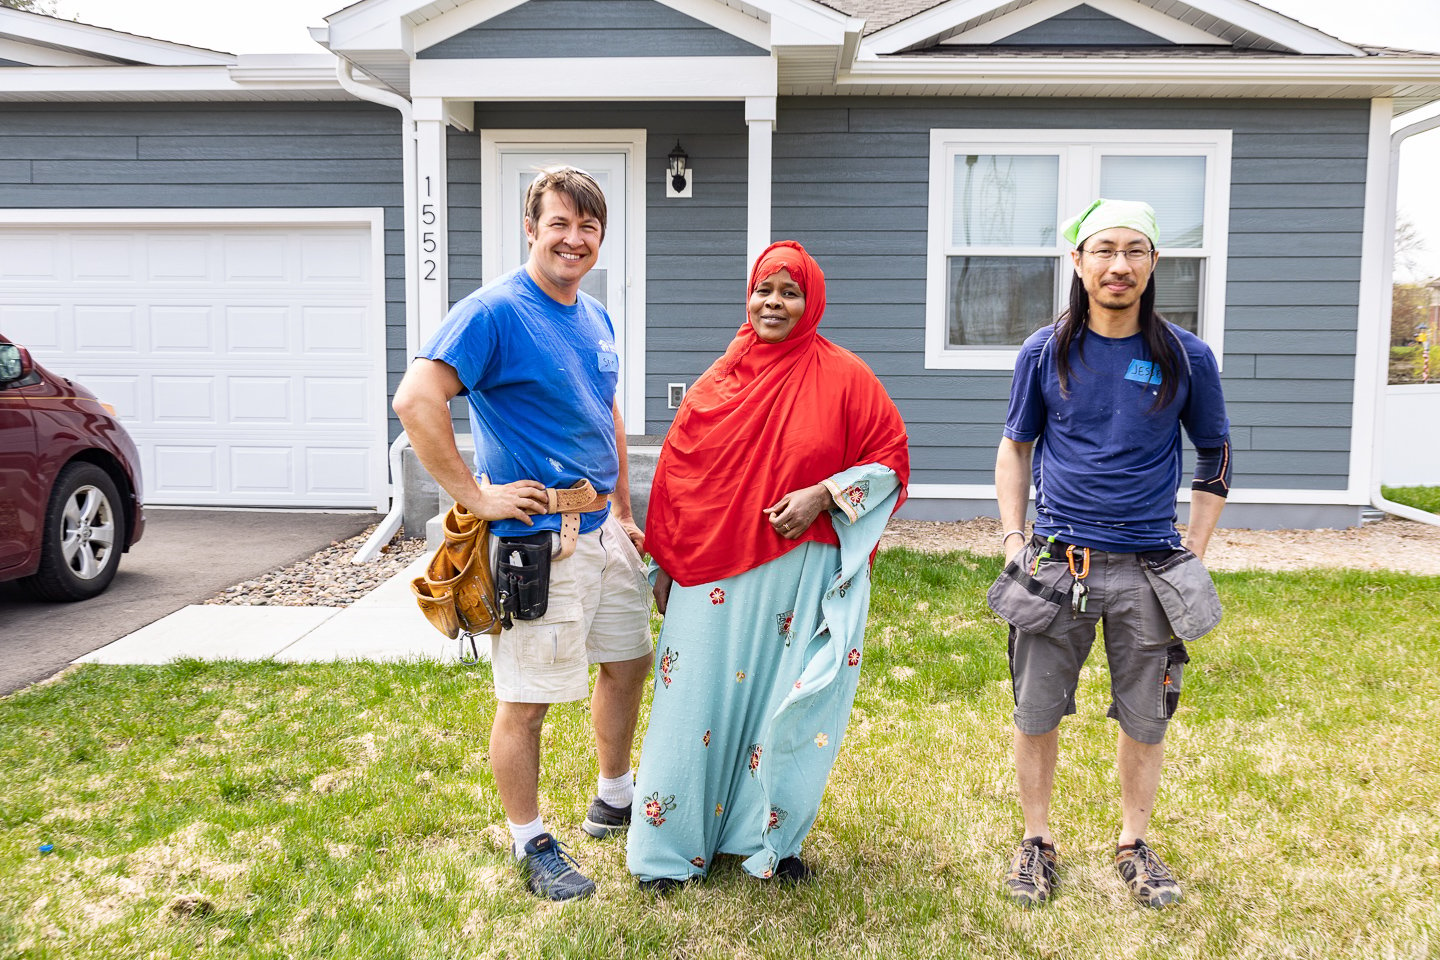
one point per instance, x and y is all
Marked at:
(327, 578)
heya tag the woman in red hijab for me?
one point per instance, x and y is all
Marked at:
(783, 464)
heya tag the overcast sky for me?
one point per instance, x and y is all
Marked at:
(279, 26)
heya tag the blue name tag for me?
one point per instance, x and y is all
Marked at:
(609, 362)
(1143, 371)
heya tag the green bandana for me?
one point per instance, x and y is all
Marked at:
(1104, 214)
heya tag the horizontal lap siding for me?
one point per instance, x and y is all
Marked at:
(851, 183)
(613, 28)
(177, 156)
(695, 249)
(1084, 25)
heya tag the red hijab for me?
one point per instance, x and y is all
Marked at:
(766, 419)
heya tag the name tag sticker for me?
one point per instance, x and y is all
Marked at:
(1143, 371)
(609, 362)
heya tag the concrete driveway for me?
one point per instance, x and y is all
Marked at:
(186, 556)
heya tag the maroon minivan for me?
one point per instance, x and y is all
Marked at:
(69, 483)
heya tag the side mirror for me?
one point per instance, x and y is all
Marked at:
(15, 363)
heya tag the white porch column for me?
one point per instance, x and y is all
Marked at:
(431, 230)
(760, 118)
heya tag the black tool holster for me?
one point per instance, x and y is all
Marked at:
(522, 576)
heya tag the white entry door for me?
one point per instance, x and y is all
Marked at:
(606, 281)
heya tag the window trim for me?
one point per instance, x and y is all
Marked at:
(1079, 151)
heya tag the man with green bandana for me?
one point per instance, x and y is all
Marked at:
(1096, 407)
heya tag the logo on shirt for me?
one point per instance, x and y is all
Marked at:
(1143, 371)
(608, 360)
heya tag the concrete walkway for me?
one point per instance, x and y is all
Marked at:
(385, 624)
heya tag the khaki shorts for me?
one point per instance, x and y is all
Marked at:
(1147, 662)
(599, 612)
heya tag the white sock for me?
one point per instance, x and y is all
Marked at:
(523, 833)
(617, 791)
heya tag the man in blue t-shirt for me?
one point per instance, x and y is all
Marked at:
(1096, 407)
(535, 359)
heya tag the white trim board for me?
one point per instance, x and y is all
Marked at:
(597, 78)
(983, 491)
(632, 143)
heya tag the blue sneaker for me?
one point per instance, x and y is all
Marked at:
(552, 873)
(602, 820)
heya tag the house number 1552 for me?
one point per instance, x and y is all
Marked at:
(427, 237)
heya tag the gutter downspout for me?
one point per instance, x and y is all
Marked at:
(344, 74)
(1377, 499)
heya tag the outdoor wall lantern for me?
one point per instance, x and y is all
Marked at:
(679, 176)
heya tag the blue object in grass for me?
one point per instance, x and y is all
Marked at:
(46, 847)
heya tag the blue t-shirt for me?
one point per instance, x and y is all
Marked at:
(1106, 466)
(540, 379)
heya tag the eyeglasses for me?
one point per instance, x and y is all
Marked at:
(1106, 254)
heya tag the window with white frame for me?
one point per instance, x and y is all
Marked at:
(998, 268)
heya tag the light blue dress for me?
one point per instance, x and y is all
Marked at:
(755, 676)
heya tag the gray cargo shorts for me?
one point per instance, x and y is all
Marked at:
(1049, 644)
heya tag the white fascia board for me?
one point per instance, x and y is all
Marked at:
(1264, 495)
(1274, 26)
(291, 71)
(812, 16)
(155, 80)
(1004, 72)
(390, 36)
(374, 216)
(36, 55)
(85, 38)
(1134, 13)
(601, 78)
(926, 25)
(361, 18)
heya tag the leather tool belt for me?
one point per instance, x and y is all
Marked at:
(457, 592)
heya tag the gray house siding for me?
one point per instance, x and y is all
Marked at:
(695, 249)
(613, 28)
(1084, 26)
(214, 155)
(851, 183)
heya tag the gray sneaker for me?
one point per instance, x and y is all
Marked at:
(1033, 873)
(602, 820)
(552, 873)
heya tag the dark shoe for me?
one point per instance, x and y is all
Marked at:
(552, 873)
(602, 820)
(1149, 880)
(1033, 873)
(793, 870)
(663, 886)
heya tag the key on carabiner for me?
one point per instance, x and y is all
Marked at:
(1079, 595)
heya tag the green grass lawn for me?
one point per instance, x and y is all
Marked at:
(1421, 498)
(266, 810)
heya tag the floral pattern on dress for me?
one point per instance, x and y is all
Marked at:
(668, 660)
(717, 596)
(845, 586)
(656, 807)
(777, 817)
(856, 493)
(719, 809)
(706, 739)
(784, 621)
(739, 676)
(698, 862)
(854, 658)
(755, 751)
(822, 739)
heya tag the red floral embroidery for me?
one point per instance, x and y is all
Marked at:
(755, 751)
(854, 658)
(697, 861)
(706, 739)
(797, 684)
(739, 676)
(777, 817)
(656, 807)
(668, 660)
(783, 621)
(717, 596)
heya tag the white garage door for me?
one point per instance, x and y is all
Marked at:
(247, 361)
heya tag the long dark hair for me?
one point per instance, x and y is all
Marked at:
(1159, 341)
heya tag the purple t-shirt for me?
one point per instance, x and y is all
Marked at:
(540, 379)
(1106, 466)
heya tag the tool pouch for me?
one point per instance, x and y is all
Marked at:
(1025, 602)
(522, 573)
(1185, 591)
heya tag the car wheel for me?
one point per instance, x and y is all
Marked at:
(83, 537)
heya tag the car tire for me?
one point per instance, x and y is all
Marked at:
(83, 537)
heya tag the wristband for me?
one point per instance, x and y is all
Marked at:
(1009, 533)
